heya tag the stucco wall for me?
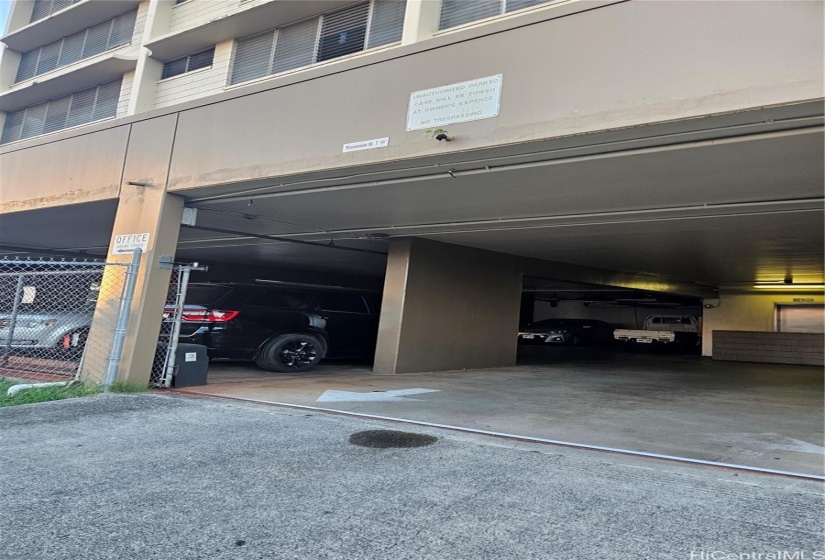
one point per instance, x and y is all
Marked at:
(616, 66)
(612, 66)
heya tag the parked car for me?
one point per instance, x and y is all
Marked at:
(52, 318)
(286, 328)
(574, 332)
(51, 335)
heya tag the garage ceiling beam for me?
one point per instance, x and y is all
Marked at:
(329, 245)
(602, 277)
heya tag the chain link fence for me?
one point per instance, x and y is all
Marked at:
(47, 308)
(164, 365)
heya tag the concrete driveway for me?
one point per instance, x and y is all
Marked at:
(759, 415)
(154, 477)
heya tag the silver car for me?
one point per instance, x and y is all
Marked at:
(60, 333)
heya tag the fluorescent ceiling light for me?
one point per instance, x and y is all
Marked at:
(782, 286)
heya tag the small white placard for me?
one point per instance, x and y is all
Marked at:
(29, 293)
(189, 217)
(190, 357)
(367, 145)
(455, 103)
(128, 242)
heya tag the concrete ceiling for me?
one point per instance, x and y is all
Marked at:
(723, 211)
(729, 212)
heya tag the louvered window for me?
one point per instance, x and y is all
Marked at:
(43, 8)
(295, 46)
(339, 33)
(387, 22)
(82, 107)
(343, 32)
(459, 12)
(196, 61)
(83, 44)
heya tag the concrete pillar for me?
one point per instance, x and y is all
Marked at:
(420, 20)
(148, 69)
(447, 307)
(141, 209)
(20, 15)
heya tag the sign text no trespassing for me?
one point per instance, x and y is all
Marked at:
(455, 103)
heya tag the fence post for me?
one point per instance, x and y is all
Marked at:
(122, 320)
(18, 296)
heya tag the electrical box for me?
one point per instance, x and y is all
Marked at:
(191, 365)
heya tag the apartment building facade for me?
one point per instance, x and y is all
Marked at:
(454, 147)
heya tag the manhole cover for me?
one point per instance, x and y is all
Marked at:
(390, 438)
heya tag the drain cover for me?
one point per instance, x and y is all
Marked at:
(383, 439)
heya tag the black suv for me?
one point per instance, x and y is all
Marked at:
(284, 327)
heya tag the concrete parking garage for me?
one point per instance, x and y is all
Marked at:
(757, 415)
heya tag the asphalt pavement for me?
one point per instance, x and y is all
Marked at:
(162, 477)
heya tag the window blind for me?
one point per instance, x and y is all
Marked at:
(343, 32)
(43, 8)
(513, 5)
(82, 107)
(253, 57)
(195, 61)
(322, 38)
(83, 44)
(295, 46)
(459, 12)
(387, 22)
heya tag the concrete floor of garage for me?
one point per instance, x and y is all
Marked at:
(760, 415)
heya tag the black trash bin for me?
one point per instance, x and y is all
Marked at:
(192, 365)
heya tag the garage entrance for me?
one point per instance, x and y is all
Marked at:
(757, 415)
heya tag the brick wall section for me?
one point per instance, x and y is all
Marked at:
(770, 347)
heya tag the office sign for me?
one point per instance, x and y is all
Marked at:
(455, 103)
(128, 242)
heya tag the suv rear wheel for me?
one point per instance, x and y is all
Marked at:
(290, 353)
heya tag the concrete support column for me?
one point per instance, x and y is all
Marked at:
(447, 307)
(147, 209)
(420, 20)
(148, 69)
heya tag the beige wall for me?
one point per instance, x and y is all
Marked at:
(198, 12)
(620, 65)
(615, 66)
(746, 312)
(82, 168)
(193, 85)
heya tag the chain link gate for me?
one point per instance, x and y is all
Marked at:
(164, 365)
(47, 308)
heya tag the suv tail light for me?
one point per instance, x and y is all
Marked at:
(209, 315)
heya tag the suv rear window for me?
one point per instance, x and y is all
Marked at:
(278, 298)
(338, 301)
(205, 295)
